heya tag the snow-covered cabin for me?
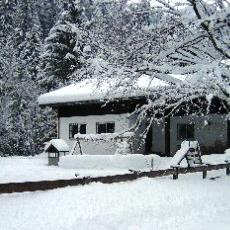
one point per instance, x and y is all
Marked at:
(81, 108)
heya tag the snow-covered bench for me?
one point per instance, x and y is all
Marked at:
(190, 150)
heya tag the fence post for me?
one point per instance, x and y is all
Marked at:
(152, 164)
(204, 173)
(227, 168)
(175, 173)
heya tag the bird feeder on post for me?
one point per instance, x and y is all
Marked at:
(55, 149)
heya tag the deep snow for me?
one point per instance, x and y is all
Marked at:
(94, 89)
(108, 162)
(150, 204)
(20, 169)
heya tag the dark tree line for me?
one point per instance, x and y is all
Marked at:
(23, 27)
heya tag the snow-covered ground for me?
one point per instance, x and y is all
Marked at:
(160, 203)
(114, 161)
(20, 169)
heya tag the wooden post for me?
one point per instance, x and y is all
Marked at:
(167, 136)
(152, 164)
(79, 145)
(175, 173)
(204, 173)
(227, 168)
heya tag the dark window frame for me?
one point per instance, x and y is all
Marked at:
(78, 129)
(106, 127)
(189, 131)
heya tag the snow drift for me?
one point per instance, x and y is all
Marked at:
(117, 161)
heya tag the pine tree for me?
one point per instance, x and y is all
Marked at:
(22, 121)
(63, 48)
(48, 12)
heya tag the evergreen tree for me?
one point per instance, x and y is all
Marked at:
(63, 48)
(48, 12)
(22, 121)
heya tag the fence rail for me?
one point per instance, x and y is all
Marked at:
(47, 185)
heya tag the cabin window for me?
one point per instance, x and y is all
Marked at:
(75, 128)
(185, 131)
(82, 129)
(105, 127)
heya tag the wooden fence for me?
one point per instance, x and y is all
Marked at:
(46, 185)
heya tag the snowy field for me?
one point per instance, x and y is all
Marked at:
(150, 204)
(20, 169)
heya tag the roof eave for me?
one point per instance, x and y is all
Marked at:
(98, 101)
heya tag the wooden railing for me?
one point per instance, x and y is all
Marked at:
(46, 185)
(201, 168)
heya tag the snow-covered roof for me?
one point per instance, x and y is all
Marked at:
(59, 144)
(100, 90)
(93, 90)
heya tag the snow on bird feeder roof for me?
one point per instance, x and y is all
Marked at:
(94, 89)
(58, 144)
